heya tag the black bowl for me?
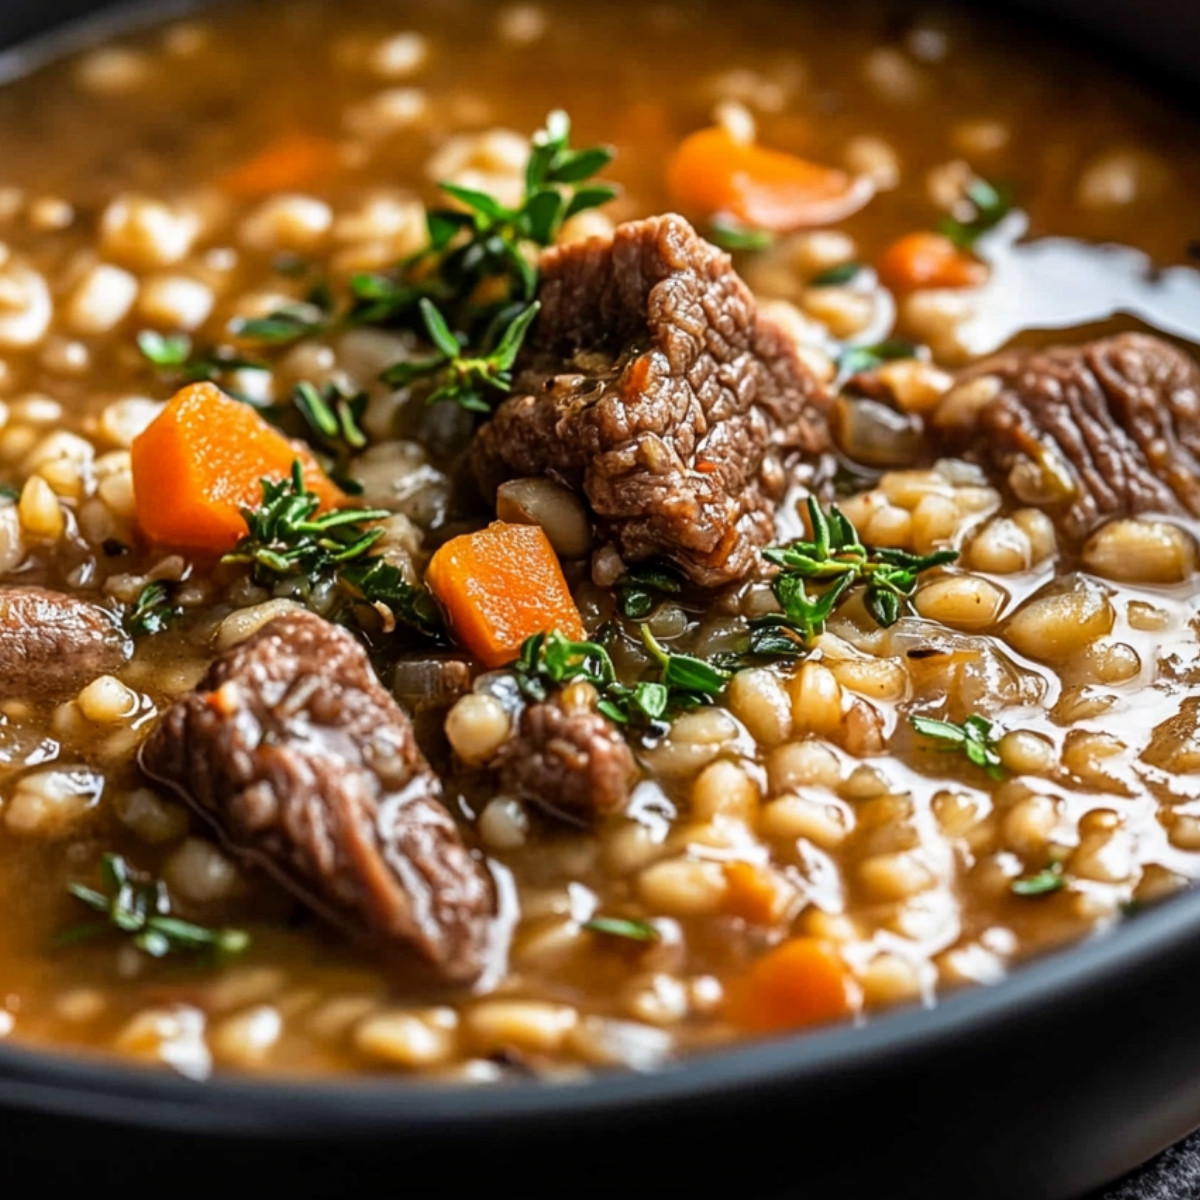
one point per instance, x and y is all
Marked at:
(1076, 1069)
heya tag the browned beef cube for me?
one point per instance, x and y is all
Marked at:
(652, 385)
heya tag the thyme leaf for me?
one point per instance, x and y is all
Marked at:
(152, 611)
(836, 276)
(854, 359)
(989, 203)
(729, 235)
(975, 737)
(133, 904)
(623, 927)
(1042, 883)
(642, 587)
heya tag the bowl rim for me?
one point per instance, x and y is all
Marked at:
(90, 1085)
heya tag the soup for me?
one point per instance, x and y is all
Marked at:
(457, 620)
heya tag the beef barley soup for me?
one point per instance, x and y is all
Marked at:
(487, 591)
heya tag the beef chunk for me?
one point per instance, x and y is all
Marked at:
(651, 384)
(569, 758)
(304, 763)
(51, 644)
(1102, 430)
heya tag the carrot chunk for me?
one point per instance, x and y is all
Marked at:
(928, 260)
(499, 586)
(713, 173)
(800, 982)
(750, 893)
(202, 459)
(296, 160)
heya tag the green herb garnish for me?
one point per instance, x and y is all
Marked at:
(139, 907)
(152, 611)
(990, 203)
(288, 537)
(731, 236)
(332, 414)
(642, 587)
(380, 582)
(975, 737)
(623, 927)
(458, 375)
(175, 357)
(8, 492)
(834, 561)
(284, 325)
(854, 359)
(549, 660)
(836, 276)
(1042, 883)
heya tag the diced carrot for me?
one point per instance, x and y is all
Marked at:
(800, 982)
(751, 893)
(202, 459)
(295, 160)
(928, 260)
(713, 173)
(499, 586)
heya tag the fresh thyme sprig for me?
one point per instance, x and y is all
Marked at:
(834, 561)
(549, 660)
(629, 928)
(855, 359)
(990, 204)
(152, 611)
(333, 415)
(139, 907)
(459, 375)
(836, 276)
(975, 737)
(287, 536)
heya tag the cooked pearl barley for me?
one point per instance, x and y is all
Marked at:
(41, 514)
(816, 700)
(199, 872)
(1147, 618)
(287, 222)
(962, 601)
(1121, 177)
(387, 112)
(247, 1038)
(841, 310)
(106, 700)
(1002, 547)
(1105, 853)
(173, 1035)
(724, 789)
(497, 1025)
(50, 803)
(409, 1038)
(822, 822)
(146, 234)
(477, 726)
(113, 70)
(893, 76)
(696, 738)
(504, 823)
(937, 316)
(1055, 626)
(399, 55)
(521, 24)
(759, 700)
(123, 420)
(874, 158)
(890, 979)
(681, 887)
(1026, 753)
(656, 999)
(239, 625)
(1140, 551)
(25, 305)
(12, 544)
(1029, 825)
(802, 764)
(175, 302)
(101, 300)
(816, 251)
(152, 818)
(889, 526)
(116, 490)
(1039, 529)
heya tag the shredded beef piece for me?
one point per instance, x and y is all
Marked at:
(651, 384)
(569, 758)
(1102, 430)
(52, 644)
(293, 750)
